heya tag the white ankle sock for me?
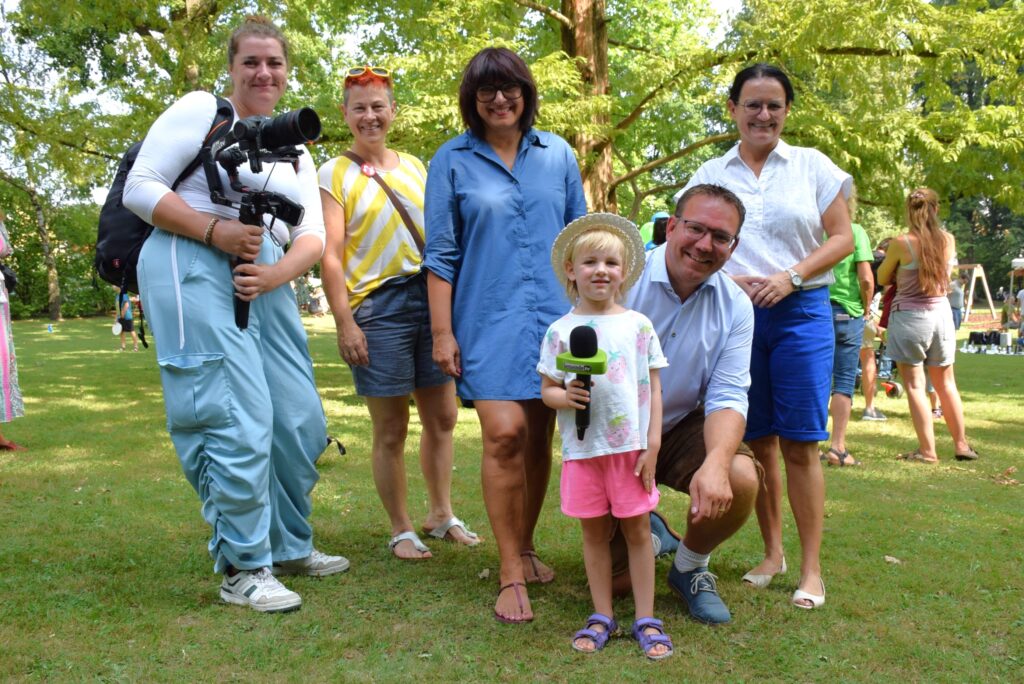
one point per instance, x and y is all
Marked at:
(687, 560)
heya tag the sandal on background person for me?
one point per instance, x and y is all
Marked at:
(916, 457)
(969, 455)
(842, 458)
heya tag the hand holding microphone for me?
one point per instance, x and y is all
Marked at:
(586, 360)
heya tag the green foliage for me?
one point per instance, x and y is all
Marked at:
(900, 93)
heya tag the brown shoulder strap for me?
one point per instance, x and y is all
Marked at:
(395, 202)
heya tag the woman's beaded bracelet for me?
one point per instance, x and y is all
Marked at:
(208, 239)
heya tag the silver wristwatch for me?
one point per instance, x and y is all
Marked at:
(795, 278)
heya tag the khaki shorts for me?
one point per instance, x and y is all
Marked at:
(682, 454)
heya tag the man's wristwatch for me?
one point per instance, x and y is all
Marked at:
(795, 278)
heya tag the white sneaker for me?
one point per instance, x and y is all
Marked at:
(316, 564)
(259, 590)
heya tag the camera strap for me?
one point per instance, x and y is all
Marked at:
(392, 197)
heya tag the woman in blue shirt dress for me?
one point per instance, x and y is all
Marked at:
(496, 197)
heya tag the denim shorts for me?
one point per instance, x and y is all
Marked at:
(849, 335)
(396, 322)
(791, 368)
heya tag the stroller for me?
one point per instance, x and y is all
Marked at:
(887, 374)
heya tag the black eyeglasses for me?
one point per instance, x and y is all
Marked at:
(698, 230)
(755, 106)
(487, 93)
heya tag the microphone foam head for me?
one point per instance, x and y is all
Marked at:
(583, 342)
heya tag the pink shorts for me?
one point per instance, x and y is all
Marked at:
(592, 487)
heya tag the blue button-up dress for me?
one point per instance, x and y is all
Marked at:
(489, 234)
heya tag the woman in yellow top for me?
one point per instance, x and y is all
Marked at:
(377, 293)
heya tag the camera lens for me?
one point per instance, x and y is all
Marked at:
(296, 127)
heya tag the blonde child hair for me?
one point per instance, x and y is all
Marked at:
(597, 239)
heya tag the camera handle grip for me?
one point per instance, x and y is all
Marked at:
(241, 306)
(250, 215)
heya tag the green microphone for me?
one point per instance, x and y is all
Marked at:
(584, 359)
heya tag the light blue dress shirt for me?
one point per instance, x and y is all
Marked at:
(489, 234)
(706, 340)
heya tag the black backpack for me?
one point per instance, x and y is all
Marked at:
(121, 233)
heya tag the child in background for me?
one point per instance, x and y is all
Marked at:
(608, 476)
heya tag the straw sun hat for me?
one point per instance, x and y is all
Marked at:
(613, 223)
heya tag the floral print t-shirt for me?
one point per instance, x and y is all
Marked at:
(620, 399)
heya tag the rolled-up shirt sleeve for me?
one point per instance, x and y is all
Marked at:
(442, 255)
(730, 377)
(173, 141)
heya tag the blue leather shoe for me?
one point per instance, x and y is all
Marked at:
(664, 538)
(698, 590)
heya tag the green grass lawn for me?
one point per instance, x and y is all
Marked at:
(106, 575)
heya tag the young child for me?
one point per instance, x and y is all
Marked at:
(608, 476)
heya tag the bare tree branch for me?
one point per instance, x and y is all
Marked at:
(630, 46)
(548, 12)
(78, 147)
(661, 161)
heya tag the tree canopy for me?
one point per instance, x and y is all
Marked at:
(898, 92)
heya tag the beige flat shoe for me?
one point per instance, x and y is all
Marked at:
(762, 581)
(816, 601)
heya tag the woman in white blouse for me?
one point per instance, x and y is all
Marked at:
(796, 200)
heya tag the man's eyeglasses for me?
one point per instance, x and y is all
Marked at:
(356, 72)
(487, 93)
(755, 106)
(697, 231)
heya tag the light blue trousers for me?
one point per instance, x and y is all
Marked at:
(242, 408)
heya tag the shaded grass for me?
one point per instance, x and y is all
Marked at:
(107, 576)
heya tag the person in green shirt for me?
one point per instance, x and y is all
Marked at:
(850, 295)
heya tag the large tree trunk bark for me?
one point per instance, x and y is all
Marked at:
(587, 41)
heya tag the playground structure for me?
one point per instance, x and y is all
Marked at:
(975, 273)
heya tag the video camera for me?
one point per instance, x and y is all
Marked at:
(256, 140)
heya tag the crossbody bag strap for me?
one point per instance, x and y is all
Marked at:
(392, 197)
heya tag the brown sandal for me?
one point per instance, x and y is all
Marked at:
(915, 457)
(536, 577)
(514, 586)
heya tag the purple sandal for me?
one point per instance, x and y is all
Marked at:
(599, 638)
(649, 641)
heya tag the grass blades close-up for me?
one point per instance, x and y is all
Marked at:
(107, 576)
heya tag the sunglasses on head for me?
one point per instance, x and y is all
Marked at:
(355, 72)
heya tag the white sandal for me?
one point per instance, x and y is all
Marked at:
(816, 601)
(762, 581)
(441, 531)
(416, 542)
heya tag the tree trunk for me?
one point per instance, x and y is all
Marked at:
(587, 42)
(52, 280)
